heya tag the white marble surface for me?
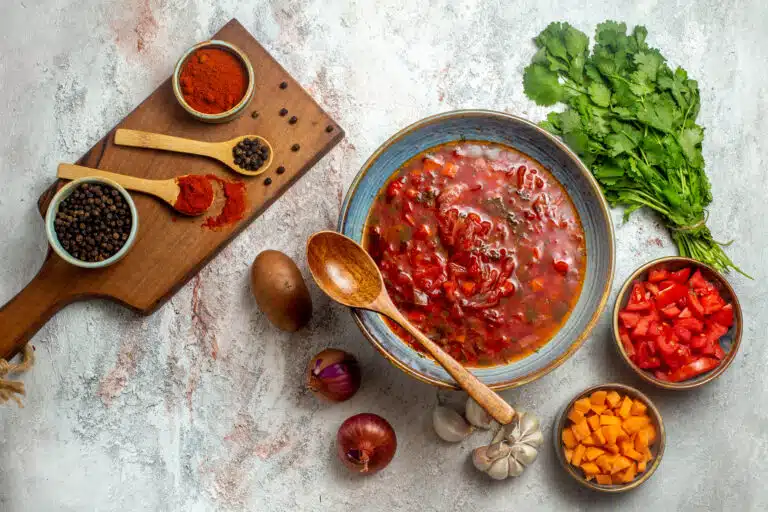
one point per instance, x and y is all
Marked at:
(129, 413)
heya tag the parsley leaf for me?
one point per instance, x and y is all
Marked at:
(632, 120)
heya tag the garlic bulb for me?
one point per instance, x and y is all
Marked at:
(476, 415)
(450, 425)
(514, 447)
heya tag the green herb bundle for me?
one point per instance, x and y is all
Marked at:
(632, 120)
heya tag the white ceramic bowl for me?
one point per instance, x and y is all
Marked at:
(53, 208)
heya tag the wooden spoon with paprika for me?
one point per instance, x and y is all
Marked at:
(221, 151)
(189, 194)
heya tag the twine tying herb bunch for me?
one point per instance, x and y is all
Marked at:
(632, 120)
(12, 389)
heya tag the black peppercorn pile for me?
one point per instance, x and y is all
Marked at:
(93, 223)
(250, 154)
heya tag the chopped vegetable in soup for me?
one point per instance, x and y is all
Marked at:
(481, 248)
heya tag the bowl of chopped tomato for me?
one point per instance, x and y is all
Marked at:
(677, 322)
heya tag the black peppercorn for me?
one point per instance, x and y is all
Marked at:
(293, 119)
(254, 114)
(329, 128)
(268, 181)
(283, 111)
(280, 170)
(295, 147)
(283, 85)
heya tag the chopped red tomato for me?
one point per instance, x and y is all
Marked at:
(671, 294)
(690, 370)
(673, 323)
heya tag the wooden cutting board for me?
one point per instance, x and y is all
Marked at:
(171, 249)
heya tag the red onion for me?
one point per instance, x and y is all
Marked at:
(334, 374)
(366, 443)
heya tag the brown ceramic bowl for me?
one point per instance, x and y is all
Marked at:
(235, 111)
(730, 342)
(657, 448)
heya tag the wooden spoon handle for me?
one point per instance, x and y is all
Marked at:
(28, 311)
(139, 139)
(482, 394)
(166, 190)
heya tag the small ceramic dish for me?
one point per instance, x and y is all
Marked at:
(234, 111)
(53, 208)
(729, 342)
(528, 138)
(657, 447)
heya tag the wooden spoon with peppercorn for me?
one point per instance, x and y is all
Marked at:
(248, 154)
(190, 194)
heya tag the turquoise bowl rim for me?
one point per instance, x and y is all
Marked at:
(601, 203)
(53, 208)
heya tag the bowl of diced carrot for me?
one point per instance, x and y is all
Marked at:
(610, 438)
(677, 323)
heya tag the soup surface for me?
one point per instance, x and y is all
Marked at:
(481, 248)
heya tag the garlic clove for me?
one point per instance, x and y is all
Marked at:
(480, 458)
(499, 470)
(528, 423)
(498, 450)
(476, 415)
(515, 468)
(524, 453)
(535, 439)
(450, 425)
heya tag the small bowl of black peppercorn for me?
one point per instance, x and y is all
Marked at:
(92, 222)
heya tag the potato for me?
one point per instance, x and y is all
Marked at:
(280, 290)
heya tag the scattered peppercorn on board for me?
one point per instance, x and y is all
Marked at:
(171, 249)
(610, 436)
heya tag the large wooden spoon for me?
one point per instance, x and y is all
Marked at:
(167, 190)
(345, 271)
(221, 151)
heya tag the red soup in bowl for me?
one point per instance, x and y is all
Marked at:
(481, 248)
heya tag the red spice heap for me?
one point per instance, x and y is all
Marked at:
(234, 207)
(213, 80)
(195, 194)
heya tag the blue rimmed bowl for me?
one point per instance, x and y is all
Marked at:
(524, 136)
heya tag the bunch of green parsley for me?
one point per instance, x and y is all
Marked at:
(632, 120)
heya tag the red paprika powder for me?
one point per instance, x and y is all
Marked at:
(213, 80)
(234, 206)
(195, 194)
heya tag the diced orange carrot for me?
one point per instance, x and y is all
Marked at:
(620, 464)
(569, 440)
(598, 437)
(635, 423)
(575, 416)
(593, 452)
(599, 409)
(625, 445)
(651, 431)
(641, 440)
(630, 473)
(594, 422)
(613, 398)
(589, 478)
(603, 479)
(611, 433)
(608, 412)
(598, 397)
(580, 430)
(568, 452)
(578, 454)
(641, 466)
(614, 449)
(609, 420)
(582, 405)
(617, 478)
(648, 454)
(605, 462)
(638, 408)
(634, 454)
(622, 434)
(626, 406)
(588, 441)
(590, 468)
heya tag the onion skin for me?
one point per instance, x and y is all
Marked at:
(334, 375)
(366, 443)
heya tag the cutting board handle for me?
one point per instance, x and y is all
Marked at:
(28, 311)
